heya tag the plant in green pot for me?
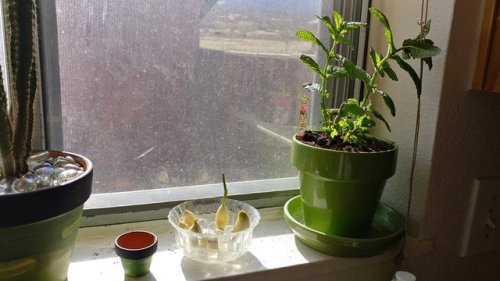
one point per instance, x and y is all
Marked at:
(342, 167)
(41, 194)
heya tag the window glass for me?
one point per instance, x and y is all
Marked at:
(163, 93)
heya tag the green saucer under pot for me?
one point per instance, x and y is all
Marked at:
(386, 230)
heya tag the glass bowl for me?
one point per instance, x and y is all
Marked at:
(213, 246)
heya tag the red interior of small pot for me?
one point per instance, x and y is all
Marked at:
(136, 240)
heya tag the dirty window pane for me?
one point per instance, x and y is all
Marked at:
(163, 93)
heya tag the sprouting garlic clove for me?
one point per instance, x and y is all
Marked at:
(187, 219)
(242, 221)
(183, 225)
(197, 241)
(222, 215)
(196, 227)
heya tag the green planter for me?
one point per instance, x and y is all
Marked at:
(39, 251)
(38, 229)
(340, 191)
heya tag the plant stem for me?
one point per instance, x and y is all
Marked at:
(224, 199)
(402, 258)
(323, 84)
(370, 87)
(413, 161)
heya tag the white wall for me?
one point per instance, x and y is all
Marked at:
(459, 139)
(466, 146)
(403, 16)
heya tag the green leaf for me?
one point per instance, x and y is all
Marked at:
(428, 61)
(336, 71)
(343, 123)
(353, 71)
(390, 104)
(406, 55)
(325, 94)
(350, 26)
(327, 126)
(351, 106)
(413, 74)
(338, 20)
(327, 22)
(307, 36)
(390, 72)
(350, 124)
(345, 40)
(355, 139)
(365, 122)
(334, 133)
(418, 49)
(311, 64)
(388, 101)
(379, 116)
(376, 58)
(387, 27)
(353, 25)
(332, 111)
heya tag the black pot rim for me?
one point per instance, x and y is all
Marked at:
(136, 254)
(31, 207)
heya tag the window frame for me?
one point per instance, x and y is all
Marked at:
(51, 84)
(122, 207)
(151, 204)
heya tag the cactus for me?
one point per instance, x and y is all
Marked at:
(16, 103)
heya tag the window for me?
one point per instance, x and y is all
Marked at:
(172, 93)
(165, 94)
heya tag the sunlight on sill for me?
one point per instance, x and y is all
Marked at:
(274, 251)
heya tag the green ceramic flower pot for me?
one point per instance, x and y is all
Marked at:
(39, 251)
(38, 229)
(340, 191)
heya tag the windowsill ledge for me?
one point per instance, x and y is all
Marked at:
(274, 249)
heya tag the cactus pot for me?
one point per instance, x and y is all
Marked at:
(340, 191)
(38, 229)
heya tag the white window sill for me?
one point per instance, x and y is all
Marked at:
(275, 255)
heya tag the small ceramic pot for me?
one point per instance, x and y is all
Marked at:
(136, 249)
